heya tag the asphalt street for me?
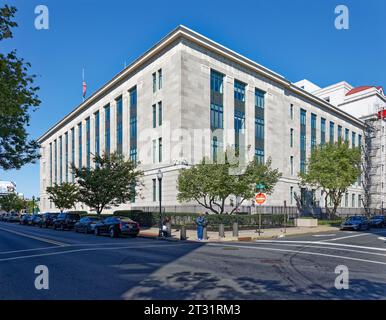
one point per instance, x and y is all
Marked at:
(89, 267)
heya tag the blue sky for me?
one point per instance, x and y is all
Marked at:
(294, 38)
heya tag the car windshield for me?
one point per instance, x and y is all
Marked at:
(73, 215)
(354, 219)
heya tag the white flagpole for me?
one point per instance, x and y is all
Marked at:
(82, 82)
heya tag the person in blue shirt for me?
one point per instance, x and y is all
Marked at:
(201, 223)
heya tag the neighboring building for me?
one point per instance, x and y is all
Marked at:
(7, 187)
(189, 97)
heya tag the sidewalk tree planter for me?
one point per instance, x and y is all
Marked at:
(211, 184)
(306, 222)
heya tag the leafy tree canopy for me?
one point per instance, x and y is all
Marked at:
(112, 182)
(333, 168)
(211, 184)
(18, 96)
(64, 195)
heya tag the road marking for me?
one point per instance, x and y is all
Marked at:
(304, 252)
(324, 243)
(35, 238)
(86, 249)
(346, 237)
(382, 238)
(323, 235)
(328, 248)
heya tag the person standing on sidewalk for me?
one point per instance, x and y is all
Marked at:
(201, 223)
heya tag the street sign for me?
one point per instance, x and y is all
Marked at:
(260, 198)
(260, 186)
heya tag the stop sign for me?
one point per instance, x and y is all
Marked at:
(260, 198)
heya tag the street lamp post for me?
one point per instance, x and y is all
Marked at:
(159, 177)
(33, 204)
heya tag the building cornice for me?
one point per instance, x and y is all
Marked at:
(184, 32)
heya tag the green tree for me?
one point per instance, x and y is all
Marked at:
(17, 98)
(211, 184)
(332, 168)
(112, 182)
(64, 195)
(12, 202)
(32, 205)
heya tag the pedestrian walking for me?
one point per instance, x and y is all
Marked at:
(201, 223)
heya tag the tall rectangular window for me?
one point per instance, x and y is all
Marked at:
(56, 161)
(154, 82)
(154, 190)
(133, 124)
(259, 155)
(313, 131)
(216, 117)
(303, 122)
(259, 123)
(292, 111)
(216, 112)
(60, 159)
(154, 151)
(51, 164)
(72, 153)
(119, 125)
(353, 139)
(239, 91)
(80, 154)
(216, 81)
(107, 129)
(332, 128)
(154, 109)
(292, 165)
(353, 200)
(291, 195)
(259, 129)
(291, 138)
(160, 150)
(346, 200)
(160, 113)
(88, 143)
(359, 140)
(346, 134)
(66, 155)
(322, 131)
(340, 137)
(97, 133)
(160, 79)
(359, 200)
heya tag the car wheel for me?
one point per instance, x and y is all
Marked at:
(54, 226)
(113, 233)
(86, 230)
(96, 232)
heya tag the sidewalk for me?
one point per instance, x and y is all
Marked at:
(244, 235)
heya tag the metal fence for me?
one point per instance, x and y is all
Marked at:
(291, 211)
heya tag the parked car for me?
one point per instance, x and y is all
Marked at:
(86, 224)
(116, 226)
(4, 217)
(48, 219)
(66, 221)
(377, 221)
(355, 223)
(13, 217)
(35, 219)
(24, 219)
